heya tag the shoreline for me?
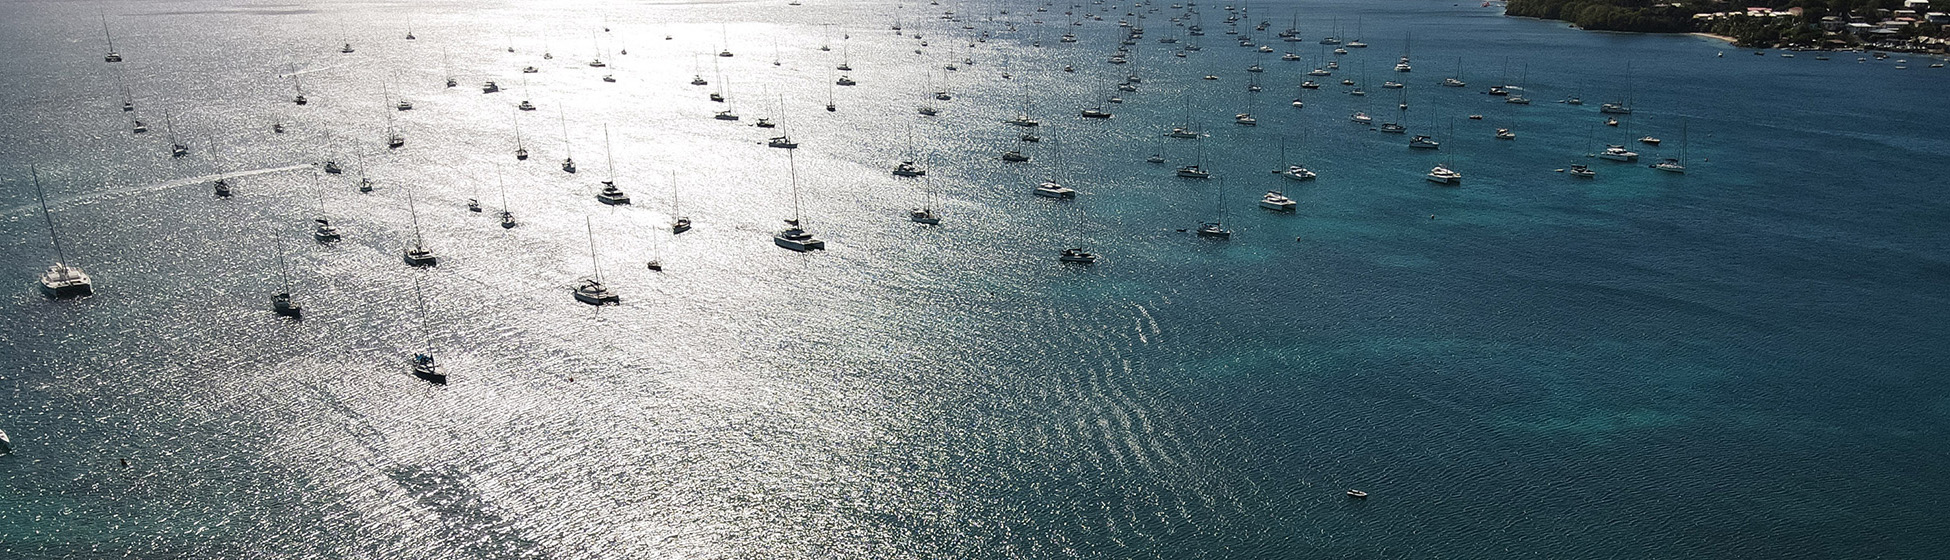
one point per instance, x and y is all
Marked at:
(1729, 40)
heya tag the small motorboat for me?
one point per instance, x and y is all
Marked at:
(1357, 494)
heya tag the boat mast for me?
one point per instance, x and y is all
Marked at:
(321, 193)
(606, 155)
(793, 168)
(418, 242)
(517, 121)
(48, 214)
(563, 117)
(1683, 157)
(105, 34)
(426, 331)
(1222, 201)
(593, 266)
(284, 275)
(503, 186)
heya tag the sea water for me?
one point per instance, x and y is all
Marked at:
(1743, 361)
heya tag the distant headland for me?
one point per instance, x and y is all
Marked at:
(1896, 25)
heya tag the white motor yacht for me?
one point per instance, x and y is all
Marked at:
(1616, 152)
(1297, 173)
(1424, 142)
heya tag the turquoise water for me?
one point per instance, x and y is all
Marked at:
(1738, 362)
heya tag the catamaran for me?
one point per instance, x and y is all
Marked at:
(610, 194)
(61, 280)
(418, 254)
(281, 302)
(112, 56)
(423, 365)
(795, 237)
(591, 290)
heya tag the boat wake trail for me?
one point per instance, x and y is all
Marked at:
(153, 187)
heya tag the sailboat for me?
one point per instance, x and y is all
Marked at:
(795, 237)
(730, 112)
(1293, 171)
(591, 290)
(176, 148)
(365, 183)
(222, 184)
(907, 167)
(1197, 169)
(418, 254)
(322, 229)
(1078, 255)
(924, 214)
(281, 302)
(1675, 165)
(568, 156)
(394, 139)
(1049, 188)
(1216, 228)
(610, 194)
(112, 56)
(521, 150)
(423, 364)
(679, 223)
(507, 216)
(61, 280)
(128, 96)
(1442, 174)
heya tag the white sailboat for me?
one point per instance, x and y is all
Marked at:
(423, 364)
(521, 150)
(568, 154)
(1675, 165)
(1216, 228)
(418, 254)
(795, 237)
(679, 223)
(61, 280)
(281, 302)
(591, 290)
(112, 56)
(610, 194)
(322, 229)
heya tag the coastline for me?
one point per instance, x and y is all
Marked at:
(1729, 40)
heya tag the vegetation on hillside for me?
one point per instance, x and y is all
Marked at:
(1677, 17)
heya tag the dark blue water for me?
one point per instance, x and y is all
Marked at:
(1743, 361)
